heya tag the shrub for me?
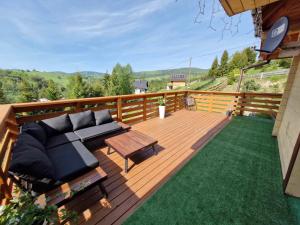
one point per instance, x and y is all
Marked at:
(23, 210)
(251, 85)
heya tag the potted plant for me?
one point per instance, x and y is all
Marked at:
(162, 108)
(23, 209)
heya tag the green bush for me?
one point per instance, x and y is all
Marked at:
(251, 85)
(23, 210)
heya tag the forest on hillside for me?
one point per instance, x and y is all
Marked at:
(229, 68)
(29, 86)
(33, 85)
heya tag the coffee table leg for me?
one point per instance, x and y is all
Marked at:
(126, 165)
(108, 150)
(154, 150)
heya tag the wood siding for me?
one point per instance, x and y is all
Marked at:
(289, 131)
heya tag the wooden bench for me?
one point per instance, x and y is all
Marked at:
(64, 193)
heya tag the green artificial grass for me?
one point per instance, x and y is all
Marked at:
(235, 179)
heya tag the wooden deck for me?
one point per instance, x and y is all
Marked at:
(179, 137)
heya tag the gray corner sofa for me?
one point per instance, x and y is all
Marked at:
(51, 152)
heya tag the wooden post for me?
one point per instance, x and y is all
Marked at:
(165, 99)
(210, 102)
(175, 102)
(144, 109)
(119, 109)
(240, 80)
(77, 107)
(186, 94)
(241, 102)
(4, 185)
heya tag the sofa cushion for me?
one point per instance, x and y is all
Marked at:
(61, 139)
(82, 120)
(79, 157)
(103, 116)
(31, 161)
(57, 125)
(95, 131)
(36, 131)
(26, 141)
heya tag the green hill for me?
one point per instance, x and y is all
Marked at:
(61, 77)
(158, 74)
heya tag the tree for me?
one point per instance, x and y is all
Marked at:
(121, 80)
(223, 69)
(251, 55)
(52, 91)
(96, 88)
(3, 99)
(213, 72)
(27, 92)
(107, 85)
(239, 60)
(77, 87)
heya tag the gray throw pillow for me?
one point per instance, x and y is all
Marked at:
(82, 120)
(57, 125)
(103, 116)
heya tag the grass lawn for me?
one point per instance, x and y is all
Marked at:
(235, 179)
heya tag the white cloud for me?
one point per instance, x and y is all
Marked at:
(105, 23)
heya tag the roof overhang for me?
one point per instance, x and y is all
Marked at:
(233, 7)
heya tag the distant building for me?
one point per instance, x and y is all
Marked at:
(177, 80)
(140, 86)
(43, 100)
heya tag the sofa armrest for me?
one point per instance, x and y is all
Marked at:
(124, 126)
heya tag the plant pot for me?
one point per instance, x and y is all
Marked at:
(162, 111)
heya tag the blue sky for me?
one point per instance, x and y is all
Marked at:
(93, 35)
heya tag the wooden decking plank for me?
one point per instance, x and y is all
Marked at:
(189, 139)
(151, 182)
(176, 133)
(128, 212)
(118, 171)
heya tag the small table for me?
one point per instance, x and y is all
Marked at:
(129, 143)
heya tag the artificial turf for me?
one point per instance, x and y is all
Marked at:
(235, 179)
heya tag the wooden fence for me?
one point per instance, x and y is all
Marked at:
(126, 108)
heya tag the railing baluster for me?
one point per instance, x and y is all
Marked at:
(119, 109)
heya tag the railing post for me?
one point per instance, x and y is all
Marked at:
(186, 94)
(77, 107)
(175, 102)
(144, 109)
(165, 100)
(4, 185)
(119, 109)
(242, 102)
(210, 102)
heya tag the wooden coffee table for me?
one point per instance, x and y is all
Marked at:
(129, 143)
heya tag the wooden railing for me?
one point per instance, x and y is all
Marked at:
(8, 135)
(126, 108)
(129, 109)
(239, 103)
